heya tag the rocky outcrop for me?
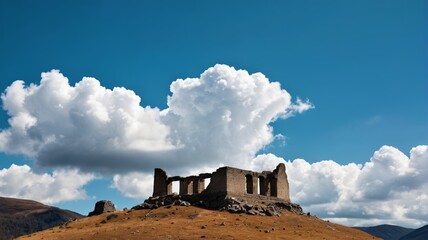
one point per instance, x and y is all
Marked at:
(230, 204)
(234, 205)
(156, 202)
(101, 207)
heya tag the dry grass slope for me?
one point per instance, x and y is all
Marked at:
(195, 223)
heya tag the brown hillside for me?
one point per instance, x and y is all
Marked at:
(19, 206)
(19, 217)
(194, 223)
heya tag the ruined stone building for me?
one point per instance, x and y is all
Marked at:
(227, 182)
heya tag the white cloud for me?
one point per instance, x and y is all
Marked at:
(390, 188)
(85, 126)
(220, 118)
(61, 185)
(263, 162)
(134, 185)
(298, 107)
(108, 131)
(223, 116)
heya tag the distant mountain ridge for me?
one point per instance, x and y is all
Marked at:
(387, 232)
(19, 217)
(418, 234)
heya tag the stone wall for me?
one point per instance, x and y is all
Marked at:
(228, 181)
(218, 182)
(282, 190)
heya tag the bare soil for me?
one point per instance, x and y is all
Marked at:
(196, 223)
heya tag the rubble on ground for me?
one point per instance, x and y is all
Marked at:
(230, 204)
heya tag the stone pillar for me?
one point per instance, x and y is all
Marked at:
(198, 185)
(160, 183)
(255, 184)
(267, 193)
(185, 186)
(169, 187)
(282, 187)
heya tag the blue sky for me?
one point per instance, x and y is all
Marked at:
(362, 64)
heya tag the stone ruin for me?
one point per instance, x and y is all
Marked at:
(228, 181)
(232, 189)
(101, 207)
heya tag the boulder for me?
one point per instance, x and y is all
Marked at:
(252, 212)
(101, 207)
(248, 206)
(271, 211)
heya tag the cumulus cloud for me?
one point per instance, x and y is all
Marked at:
(85, 126)
(134, 185)
(390, 188)
(108, 131)
(220, 118)
(223, 116)
(61, 185)
(264, 162)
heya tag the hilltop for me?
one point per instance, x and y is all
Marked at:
(188, 222)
